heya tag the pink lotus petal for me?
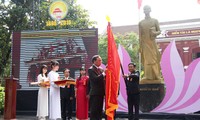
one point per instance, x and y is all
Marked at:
(125, 60)
(189, 103)
(173, 73)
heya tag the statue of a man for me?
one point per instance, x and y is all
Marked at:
(148, 31)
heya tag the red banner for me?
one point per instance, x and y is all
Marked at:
(139, 3)
(112, 75)
(198, 1)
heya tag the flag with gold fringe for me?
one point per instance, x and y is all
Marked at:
(112, 75)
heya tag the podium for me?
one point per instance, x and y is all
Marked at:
(10, 98)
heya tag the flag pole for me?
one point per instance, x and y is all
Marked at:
(122, 69)
(139, 6)
(123, 73)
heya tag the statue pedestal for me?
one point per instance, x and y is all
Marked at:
(145, 81)
(151, 96)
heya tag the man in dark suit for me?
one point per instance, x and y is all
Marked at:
(67, 94)
(97, 88)
(133, 93)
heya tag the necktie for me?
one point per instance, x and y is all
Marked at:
(99, 70)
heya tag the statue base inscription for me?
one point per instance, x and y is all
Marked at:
(145, 81)
(151, 96)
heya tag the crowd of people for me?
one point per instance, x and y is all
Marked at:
(89, 92)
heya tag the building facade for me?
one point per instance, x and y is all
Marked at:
(186, 33)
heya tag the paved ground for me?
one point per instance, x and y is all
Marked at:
(143, 116)
(34, 118)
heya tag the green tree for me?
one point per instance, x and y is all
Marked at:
(76, 13)
(20, 15)
(129, 41)
(12, 18)
(2, 99)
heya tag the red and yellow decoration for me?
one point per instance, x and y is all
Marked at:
(112, 75)
(58, 10)
(61, 23)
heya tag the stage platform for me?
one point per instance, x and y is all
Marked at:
(124, 116)
(163, 116)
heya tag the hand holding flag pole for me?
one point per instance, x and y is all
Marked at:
(123, 73)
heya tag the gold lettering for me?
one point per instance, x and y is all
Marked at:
(175, 33)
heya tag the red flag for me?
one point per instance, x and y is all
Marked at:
(112, 75)
(139, 3)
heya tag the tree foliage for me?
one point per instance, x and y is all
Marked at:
(12, 18)
(129, 41)
(18, 15)
(78, 16)
(2, 99)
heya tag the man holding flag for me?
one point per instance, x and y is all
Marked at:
(133, 91)
(112, 75)
(96, 88)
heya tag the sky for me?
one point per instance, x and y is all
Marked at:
(125, 12)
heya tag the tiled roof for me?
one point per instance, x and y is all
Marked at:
(134, 28)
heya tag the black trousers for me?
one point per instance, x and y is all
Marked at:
(66, 104)
(133, 100)
(96, 107)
